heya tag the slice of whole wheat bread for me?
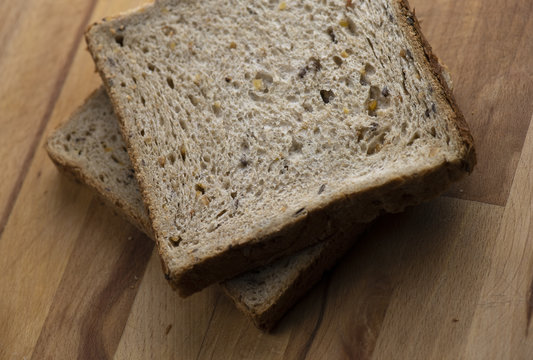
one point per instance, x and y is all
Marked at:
(90, 148)
(258, 128)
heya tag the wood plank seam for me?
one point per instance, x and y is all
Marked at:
(312, 336)
(208, 326)
(502, 293)
(102, 303)
(12, 30)
(45, 118)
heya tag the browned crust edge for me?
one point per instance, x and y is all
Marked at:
(411, 26)
(76, 172)
(267, 246)
(268, 317)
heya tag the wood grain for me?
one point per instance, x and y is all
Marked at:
(33, 68)
(487, 45)
(47, 211)
(450, 279)
(104, 268)
(501, 327)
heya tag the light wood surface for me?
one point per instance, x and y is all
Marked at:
(452, 278)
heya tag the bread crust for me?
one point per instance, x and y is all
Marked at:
(294, 232)
(409, 22)
(267, 316)
(74, 171)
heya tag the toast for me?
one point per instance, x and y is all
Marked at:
(257, 129)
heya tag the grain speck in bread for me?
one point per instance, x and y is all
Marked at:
(254, 131)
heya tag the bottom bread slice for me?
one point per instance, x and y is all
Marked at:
(90, 148)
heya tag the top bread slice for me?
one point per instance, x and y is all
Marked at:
(256, 128)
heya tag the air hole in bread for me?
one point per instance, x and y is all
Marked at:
(217, 110)
(292, 98)
(172, 158)
(376, 144)
(243, 162)
(200, 188)
(151, 67)
(331, 34)
(212, 227)
(193, 99)
(183, 152)
(170, 83)
(221, 213)
(168, 30)
(266, 77)
(415, 136)
(369, 69)
(119, 39)
(347, 81)
(254, 96)
(404, 86)
(337, 60)
(296, 147)
(327, 96)
(351, 26)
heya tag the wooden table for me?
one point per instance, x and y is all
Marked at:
(449, 279)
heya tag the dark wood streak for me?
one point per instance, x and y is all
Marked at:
(312, 336)
(56, 91)
(364, 335)
(208, 325)
(93, 300)
(119, 292)
(529, 304)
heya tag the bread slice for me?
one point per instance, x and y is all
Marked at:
(258, 128)
(90, 148)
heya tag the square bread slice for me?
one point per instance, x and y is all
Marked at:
(90, 148)
(258, 128)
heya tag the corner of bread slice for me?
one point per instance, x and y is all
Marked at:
(463, 159)
(85, 149)
(267, 293)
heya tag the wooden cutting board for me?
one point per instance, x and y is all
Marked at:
(452, 278)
